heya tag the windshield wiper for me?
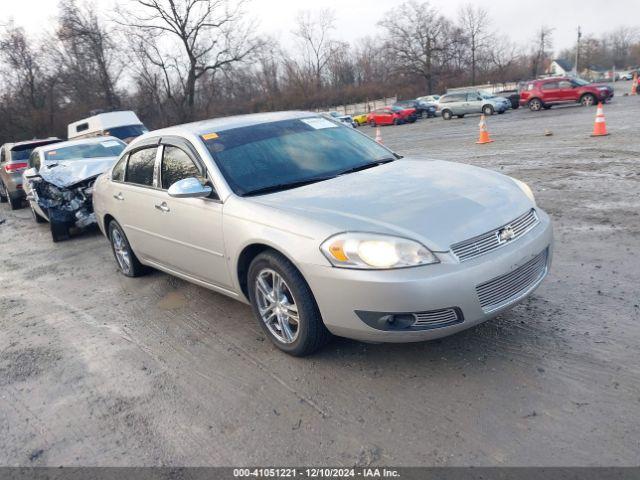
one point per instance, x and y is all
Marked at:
(366, 166)
(286, 186)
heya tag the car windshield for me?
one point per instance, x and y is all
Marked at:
(105, 148)
(398, 109)
(126, 132)
(285, 154)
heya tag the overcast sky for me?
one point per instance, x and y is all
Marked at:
(357, 18)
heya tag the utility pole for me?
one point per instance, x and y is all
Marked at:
(575, 67)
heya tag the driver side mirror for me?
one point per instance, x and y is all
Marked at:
(189, 188)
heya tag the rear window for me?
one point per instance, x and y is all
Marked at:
(141, 166)
(23, 152)
(126, 132)
(105, 148)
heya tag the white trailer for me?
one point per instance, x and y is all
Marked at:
(124, 125)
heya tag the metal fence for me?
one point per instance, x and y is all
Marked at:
(363, 107)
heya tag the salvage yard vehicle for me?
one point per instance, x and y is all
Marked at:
(360, 119)
(59, 182)
(124, 125)
(385, 116)
(323, 230)
(421, 108)
(13, 161)
(543, 94)
(460, 104)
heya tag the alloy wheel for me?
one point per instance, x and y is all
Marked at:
(121, 251)
(276, 305)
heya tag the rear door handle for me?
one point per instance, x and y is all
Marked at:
(163, 207)
(118, 196)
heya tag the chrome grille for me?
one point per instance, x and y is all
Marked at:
(437, 318)
(486, 242)
(508, 288)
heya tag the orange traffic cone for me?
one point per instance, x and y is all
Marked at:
(600, 126)
(484, 133)
(634, 85)
(378, 136)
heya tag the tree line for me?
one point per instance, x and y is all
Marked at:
(174, 61)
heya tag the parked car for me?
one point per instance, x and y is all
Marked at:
(421, 108)
(14, 159)
(434, 99)
(386, 116)
(124, 125)
(346, 119)
(360, 119)
(543, 94)
(408, 114)
(59, 182)
(460, 104)
(322, 230)
(512, 95)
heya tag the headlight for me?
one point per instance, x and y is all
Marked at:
(375, 251)
(526, 189)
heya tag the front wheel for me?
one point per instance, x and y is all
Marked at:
(36, 216)
(284, 305)
(59, 231)
(447, 115)
(588, 100)
(372, 123)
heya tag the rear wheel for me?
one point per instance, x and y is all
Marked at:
(372, 123)
(285, 306)
(447, 115)
(15, 201)
(3, 193)
(535, 105)
(396, 121)
(588, 100)
(127, 261)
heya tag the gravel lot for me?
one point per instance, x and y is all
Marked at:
(100, 369)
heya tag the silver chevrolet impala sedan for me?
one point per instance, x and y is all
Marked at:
(322, 230)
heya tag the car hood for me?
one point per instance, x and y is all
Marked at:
(438, 203)
(66, 173)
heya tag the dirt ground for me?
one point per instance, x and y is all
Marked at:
(100, 369)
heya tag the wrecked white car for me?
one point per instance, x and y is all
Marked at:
(59, 182)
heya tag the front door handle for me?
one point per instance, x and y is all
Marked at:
(163, 207)
(118, 196)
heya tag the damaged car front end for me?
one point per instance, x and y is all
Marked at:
(59, 184)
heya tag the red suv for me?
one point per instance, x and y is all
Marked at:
(538, 94)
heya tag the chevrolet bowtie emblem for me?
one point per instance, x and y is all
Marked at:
(505, 234)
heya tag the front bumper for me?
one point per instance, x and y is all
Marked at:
(340, 293)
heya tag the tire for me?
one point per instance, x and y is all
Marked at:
(15, 203)
(588, 100)
(396, 122)
(488, 110)
(128, 264)
(447, 115)
(501, 112)
(535, 104)
(36, 216)
(3, 193)
(310, 332)
(372, 123)
(59, 232)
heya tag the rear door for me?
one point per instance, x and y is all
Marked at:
(550, 92)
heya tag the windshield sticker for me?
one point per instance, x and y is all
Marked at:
(210, 136)
(52, 152)
(319, 123)
(110, 143)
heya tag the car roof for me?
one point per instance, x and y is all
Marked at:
(71, 143)
(221, 124)
(29, 142)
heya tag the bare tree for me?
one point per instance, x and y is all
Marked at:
(313, 32)
(209, 34)
(543, 43)
(475, 25)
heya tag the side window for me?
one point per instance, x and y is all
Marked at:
(472, 97)
(550, 86)
(141, 166)
(176, 165)
(117, 174)
(565, 84)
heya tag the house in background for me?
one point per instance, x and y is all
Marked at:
(560, 67)
(596, 73)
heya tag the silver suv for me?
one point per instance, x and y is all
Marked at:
(14, 159)
(463, 103)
